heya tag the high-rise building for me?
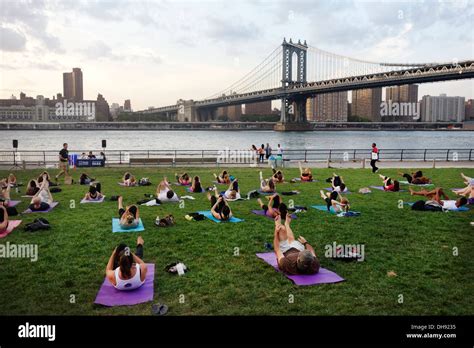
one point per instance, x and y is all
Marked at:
(366, 103)
(231, 112)
(127, 106)
(72, 85)
(259, 108)
(469, 110)
(328, 107)
(442, 108)
(402, 94)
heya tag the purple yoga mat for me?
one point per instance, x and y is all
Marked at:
(13, 203)
(322, 277)
(262, 213)
(382, 189)
(109, 296)
(330, 190)
(51, 207)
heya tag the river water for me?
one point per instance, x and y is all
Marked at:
(214, 140)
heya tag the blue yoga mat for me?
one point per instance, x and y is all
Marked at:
(117, 228)
(458, 209)
(331, 211)
(208, 214)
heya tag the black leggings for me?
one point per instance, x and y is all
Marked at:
(374, 167)
(408, 177)
(121, 247)
(133, 209)
(332, 196)
(275, 204)
(219, 206)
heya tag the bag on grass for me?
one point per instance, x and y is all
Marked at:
(37, 225)
(253, 194)
(167, 221)
(144, 182)
(55, 190)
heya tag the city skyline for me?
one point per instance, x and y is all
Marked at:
(155, 54)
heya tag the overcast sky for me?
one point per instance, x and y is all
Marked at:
(155, 52)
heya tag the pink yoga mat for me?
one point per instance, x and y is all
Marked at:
(322, 277)
(109, 296)
(12, 224)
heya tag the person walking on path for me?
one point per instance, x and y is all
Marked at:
(374, 157)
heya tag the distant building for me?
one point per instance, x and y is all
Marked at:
(260, 108)
(127, 106)
(72, 85)
(402, 94)
(231, 112)
(469, 110)
(442, 108)
(328, 107)
(366, 103)
(102, 109)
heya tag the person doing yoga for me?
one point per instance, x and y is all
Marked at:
(196, 185)
(222, 178)
(129, 180)
(293, 256)
(10, 180)
(416, 178)
(467, 192)
(277, 176)
(183, 179)
(129, 217)
(267, 186)
(437, 197)
(305, 174)
(32, 188)
(334, 205)
(125, 269)
(5, 193)
(94, 193)
(389, 185)
(3, 217)
(275, 206)
(85, 179)
(43, 199)
(164, 192)
(337, 183)
(467, 180)
(233, 191)
(220, 209)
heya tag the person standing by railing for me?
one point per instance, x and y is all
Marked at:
(374, 157)
(268, 151)
(63, 161)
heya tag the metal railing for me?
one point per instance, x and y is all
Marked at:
(165, 157)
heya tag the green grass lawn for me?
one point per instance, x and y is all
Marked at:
(417, 246)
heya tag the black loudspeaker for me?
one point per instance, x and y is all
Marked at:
(15, 144)
(104, 144)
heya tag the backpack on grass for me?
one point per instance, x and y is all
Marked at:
(37, 225)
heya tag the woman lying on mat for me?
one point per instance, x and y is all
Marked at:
(129, 180)
(43, 199)
(267, 186)
(85, 179)
(305, 174)
(183, 179)
(48, 178)
(164, 192)
(389, 185)
(338, 206)
(294, 256)
(278, 176)
(416, 178)
(129, 216)
(467, 180)
(125, 269)
(220, 209)
(467, 192)
(223, 177)
(233, 192)
(10, 180)
(32, 188)
(438, 197)
(275, 206)
(94, 193)
(337, 183)
(5, 193)
(196, 184)
(3, 217)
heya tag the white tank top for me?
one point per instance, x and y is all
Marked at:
(128, 284)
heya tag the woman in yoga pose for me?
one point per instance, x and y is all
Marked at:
(305, 174)
(416, 178)
(438, 196)
(3, 217)
(129, 180)
(43, 199)
(164, 192)
(233, 192)
(183, 179)
(267, 186)
(220, 209)
(32, 188)
(125, 269)
(337, 183)
(274, 207)
(223, 178)
(278, 176)
(389, 185)
(85, 179)
(467, 192)
(129, 216)
(94, 193)
(5, 193)
(337, 206)
(196, 185)
(48, 178)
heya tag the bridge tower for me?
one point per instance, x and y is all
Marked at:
(293, 109)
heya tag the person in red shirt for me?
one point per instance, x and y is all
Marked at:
(374, 158)
(389, 184)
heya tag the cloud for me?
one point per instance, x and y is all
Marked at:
(231, 30)
(11, 40)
